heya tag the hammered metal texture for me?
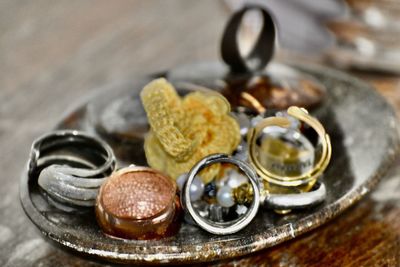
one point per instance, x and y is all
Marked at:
(137, 195)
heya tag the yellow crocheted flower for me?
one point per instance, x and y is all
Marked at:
(185, 130)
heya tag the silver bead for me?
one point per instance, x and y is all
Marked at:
(241, 209)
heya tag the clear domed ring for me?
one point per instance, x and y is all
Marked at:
(260, 197)
(312, 175)
(221, 228)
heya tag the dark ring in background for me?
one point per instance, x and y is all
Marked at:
(262, 50)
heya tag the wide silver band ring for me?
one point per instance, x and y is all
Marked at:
(224, 228)
(295, 201)
(71, 166)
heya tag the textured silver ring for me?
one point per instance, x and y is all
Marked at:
(71, 165)
(222, 228)
(295, 201)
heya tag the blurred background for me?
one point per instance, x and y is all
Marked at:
(360, 34)
(55, 53)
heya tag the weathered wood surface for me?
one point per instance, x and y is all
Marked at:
(54, 52)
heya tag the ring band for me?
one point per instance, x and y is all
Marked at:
(71, 166)
(312, 175)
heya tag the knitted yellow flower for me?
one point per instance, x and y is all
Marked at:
(185, 130)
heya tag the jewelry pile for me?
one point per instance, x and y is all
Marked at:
(206, 167)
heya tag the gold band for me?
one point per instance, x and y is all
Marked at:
(302, 115)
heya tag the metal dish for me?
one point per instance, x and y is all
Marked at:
(364, 134)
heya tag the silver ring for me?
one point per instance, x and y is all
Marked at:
(71, 166)
(261, 197)
(295, 201)
(225, 227)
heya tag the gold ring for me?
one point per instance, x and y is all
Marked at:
(312, 175)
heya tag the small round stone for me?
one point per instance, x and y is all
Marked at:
(221, 181)
(180, 181)
(241, 209)
(236, 179)
(225, 197)
(196, 189)
(210, 190)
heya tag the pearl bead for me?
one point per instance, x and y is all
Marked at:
(224, 197)
(236, 179)
(196, 188)
(221, 181)
(180, 181)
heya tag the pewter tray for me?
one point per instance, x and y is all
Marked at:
(363, 129)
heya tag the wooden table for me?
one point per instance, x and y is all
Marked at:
(54, 52)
